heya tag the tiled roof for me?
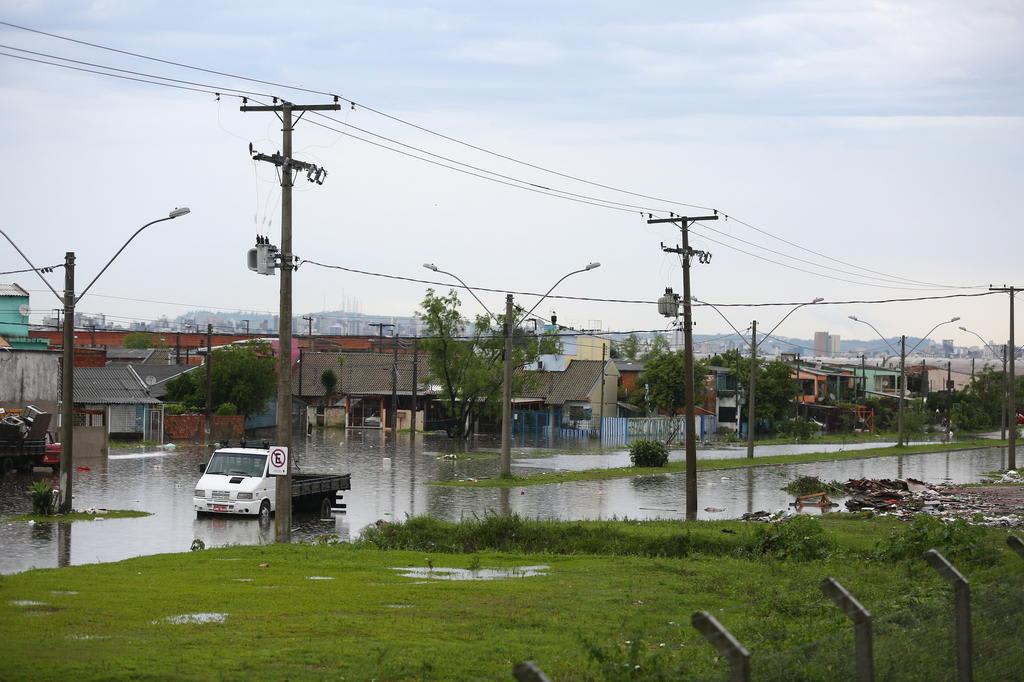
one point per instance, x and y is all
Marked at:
(12, 290)
(129, 354)
(110, 385)
(536, 384)
(576, 381)
(359, 373)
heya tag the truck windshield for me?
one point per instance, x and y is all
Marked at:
(235, 464)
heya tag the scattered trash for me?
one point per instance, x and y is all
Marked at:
(198, 545)
(82, 469)
(264, 565)
(813, 500)
(319, 577)
(242, 580)
(63, 592)
(26, 602)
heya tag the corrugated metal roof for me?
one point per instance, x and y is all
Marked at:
(12, 290)
(110, 385)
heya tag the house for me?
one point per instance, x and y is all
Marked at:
(723, 397)
(629, 374)
(14, 310)
(574, 397)
(365, 383)
(118, 396)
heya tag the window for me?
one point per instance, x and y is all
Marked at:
(228, 463)
(726, 414)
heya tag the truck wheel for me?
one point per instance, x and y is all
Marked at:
(264, 510)
(7, 465)
(325, 507)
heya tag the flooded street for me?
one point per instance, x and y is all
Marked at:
(391, 479)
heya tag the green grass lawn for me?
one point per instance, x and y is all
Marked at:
(615, 603)
(80, 516)
(718, 464)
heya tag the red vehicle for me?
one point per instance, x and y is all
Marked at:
(51, 455)
(1020, 419)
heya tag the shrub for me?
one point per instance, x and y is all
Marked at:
(798, 429)
(957, 540)
(808, 485)
(174, 408)
(42, 498)
(226, 409)
(800, 538)
(648, 453)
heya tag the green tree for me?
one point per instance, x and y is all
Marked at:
(628, 349)
(776, 390)
(243, 375)
(141, 340)
(663, 375)
(466, 358)
(329, 380)
(657, 346)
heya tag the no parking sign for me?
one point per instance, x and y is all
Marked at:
(278, 460)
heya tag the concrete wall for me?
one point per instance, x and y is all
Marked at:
(30, 377)
(90, 441)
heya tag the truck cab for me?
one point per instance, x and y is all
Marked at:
(235, 481)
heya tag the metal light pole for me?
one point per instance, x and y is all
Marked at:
(508, 326)
(903, 366)
(1006, 382)
(69, 300)
(753, 344)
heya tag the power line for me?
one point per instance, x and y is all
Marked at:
(640, 301)
(463, 143)
(114, 75)
(44, 270)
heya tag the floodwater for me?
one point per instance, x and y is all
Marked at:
(391, 479)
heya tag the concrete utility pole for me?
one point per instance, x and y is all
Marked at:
(67, 394)
(601, 423)
(753, 387)
(863, 376)
(506, 393)
(209, 382)
(1006, 392)
(309, 319)
(691, 438)
(415, 388)
(284, 110)
(903, 389)
(393, 416)
(1011, 384)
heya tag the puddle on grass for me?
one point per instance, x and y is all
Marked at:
(63, 592)
(193, 619)
(242, 580)
(27, 603)
(83, 638)
(399, 606)
(467, 574)
(319, 577)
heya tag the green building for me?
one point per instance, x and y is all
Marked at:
(14, 311)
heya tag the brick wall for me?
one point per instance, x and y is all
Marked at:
(191, 426)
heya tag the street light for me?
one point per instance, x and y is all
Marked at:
(509, 324)
(903, 365)
(753, 344)
(1006, 383)
(68, 367)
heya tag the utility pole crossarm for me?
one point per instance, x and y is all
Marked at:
(293, 107)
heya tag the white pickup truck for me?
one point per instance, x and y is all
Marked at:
(235, 481)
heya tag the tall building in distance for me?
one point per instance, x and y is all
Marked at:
(826, 345)
(948, 349)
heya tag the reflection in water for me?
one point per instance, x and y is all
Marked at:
(471, 574)
(162, 483)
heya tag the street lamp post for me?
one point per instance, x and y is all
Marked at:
(753, 344)
(903, 367)
(69, 299)
(1006, 383)
(509, 323)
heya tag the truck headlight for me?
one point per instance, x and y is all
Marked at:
(200, 493)
(244, 496)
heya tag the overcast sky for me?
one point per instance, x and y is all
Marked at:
(885, 135)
